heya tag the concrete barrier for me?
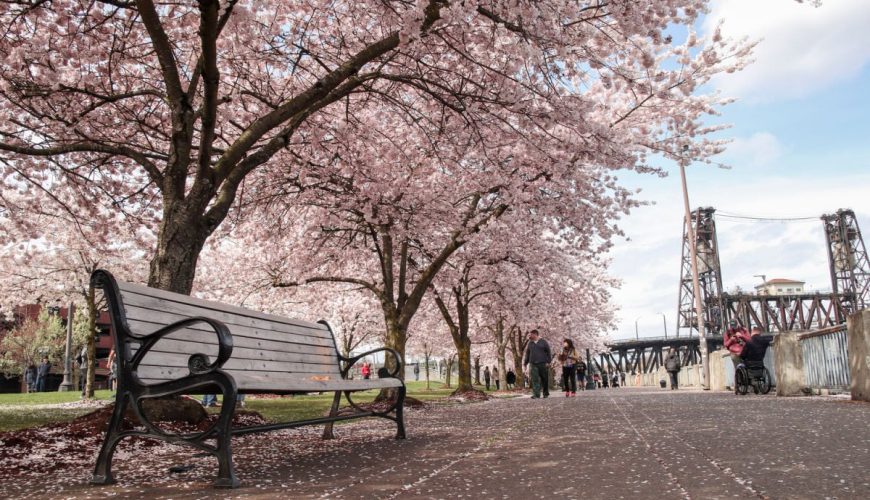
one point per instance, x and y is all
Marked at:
(789, 365)
(859, 355)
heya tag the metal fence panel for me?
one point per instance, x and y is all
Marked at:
(826, 360)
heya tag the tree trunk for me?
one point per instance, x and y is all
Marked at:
(449, 370)
(91, 364)
(463, 351)
(396, 339)
(477, 370)
(180, 240)
(426, 353)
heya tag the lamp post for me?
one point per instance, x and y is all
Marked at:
(66, 385)
(699, 307)
(636, 334)
(665, 324)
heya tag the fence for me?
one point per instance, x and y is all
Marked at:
(826, 360)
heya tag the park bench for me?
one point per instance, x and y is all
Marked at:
(170, 344)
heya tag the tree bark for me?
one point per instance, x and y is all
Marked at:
(181, 238)
(90, 299)
(517, 348)
(463, 351)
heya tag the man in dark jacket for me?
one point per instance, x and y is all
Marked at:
(42, 375)
(756, 348)
(538, 355)
(672, 365)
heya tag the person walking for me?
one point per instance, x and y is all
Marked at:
(417, 371)
(537, 359)
(82, 360)
(366, 370)
(30, 378)
(614, 379)
(511, 379)
(672, 366)
(495, 378)
(486, 377)
(112, 364)
(581, 374)
(568, 357)
(42, 375)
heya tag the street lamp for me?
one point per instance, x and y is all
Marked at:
(664, 324)
(636, 334)
(66, 385)
(696, 286)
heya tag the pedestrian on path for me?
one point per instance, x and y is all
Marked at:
(42, 375)
(605, 379)
(511, 379)
(581, 374)
(614, 379)
(495, 378)
(568, 357)
(537, 359)
(30, 378)
(672, 366)
(416, 371)
(735, 337)
(486, 377)
(366, 370)
(596, 379)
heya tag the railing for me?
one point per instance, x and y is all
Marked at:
(826, 360)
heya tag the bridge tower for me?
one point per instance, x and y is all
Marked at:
(847, 256)
(709, 275)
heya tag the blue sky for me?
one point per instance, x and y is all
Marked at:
(800, 147)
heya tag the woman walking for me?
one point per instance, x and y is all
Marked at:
(568, 357)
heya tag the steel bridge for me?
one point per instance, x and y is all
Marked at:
(850, 283)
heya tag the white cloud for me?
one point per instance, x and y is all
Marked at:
(803, 49)
(762, 148)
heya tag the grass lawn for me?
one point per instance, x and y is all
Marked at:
(19, 411)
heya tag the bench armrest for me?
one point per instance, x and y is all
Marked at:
(351, 361)
(198, 363)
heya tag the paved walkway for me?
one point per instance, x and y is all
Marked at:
(618, 443)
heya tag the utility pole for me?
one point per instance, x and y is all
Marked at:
(665, 324)
(66, 384)
(693, 249)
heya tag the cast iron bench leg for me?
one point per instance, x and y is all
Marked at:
(400, 416)
(226, 471)
(103, 470)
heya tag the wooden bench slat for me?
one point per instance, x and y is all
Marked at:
(192, 347)
(131, 289)
(273, 383)
(208, 337)
(176, 360)
(155, 313)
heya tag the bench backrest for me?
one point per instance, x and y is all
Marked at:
(264, 345)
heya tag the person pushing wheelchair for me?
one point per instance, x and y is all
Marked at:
(755, 348)
(751, 370)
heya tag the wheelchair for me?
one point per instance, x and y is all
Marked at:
(751, 374)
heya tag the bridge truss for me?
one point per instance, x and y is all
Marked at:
(850, 279)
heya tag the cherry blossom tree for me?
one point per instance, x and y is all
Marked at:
(173, 111)
(49, 255)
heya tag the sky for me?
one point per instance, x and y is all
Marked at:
(800, 133)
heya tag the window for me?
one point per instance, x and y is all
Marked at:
(790, 290)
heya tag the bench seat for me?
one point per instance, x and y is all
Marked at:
(169, 344)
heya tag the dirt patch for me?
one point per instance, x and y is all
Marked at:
(467, 396)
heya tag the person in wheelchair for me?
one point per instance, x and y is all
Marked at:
(752, 356)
